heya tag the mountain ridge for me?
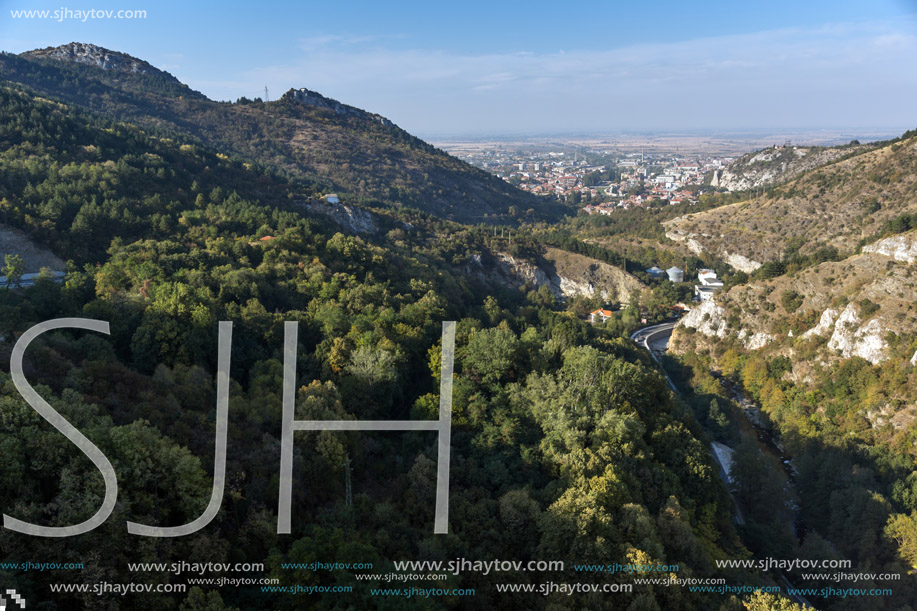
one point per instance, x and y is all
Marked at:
(94, 55)
(328, 145)
(772, 166)
(836, 205)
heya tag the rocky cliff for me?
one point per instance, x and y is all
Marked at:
(565, 274)
(352, 218)
(863, 306)
(93, 55)
(900, 248)
(835, 206)
(15, 242)
(773, 166)
(317, 100)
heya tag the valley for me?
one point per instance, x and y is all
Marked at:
(706, 353)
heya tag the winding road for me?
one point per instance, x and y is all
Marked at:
(655, 339)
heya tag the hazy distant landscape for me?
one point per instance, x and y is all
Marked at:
(707, 143)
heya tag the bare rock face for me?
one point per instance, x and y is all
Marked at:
(754, 341)
(741, 262)
(854, 339)
(580, 275)
(900, 248)
(524, 272)
(83, 53)
(311, 98)
(708, 318)
(34, 256)
(880, 416)
(772, 166)
(572, 287)
(825, 324)
(351, 218)
(887, 415)
(694, 242)
(564, 274)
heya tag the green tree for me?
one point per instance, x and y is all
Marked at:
(762, 601)
(903, 529)
(791, 300)
(198, 600)
(13, 270)
(717, 418)
(491, 356)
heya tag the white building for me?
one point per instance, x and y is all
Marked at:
(704, 293)
(600, 315)
(707, 277)
(709, 284)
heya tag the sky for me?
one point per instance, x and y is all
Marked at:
(507, 68)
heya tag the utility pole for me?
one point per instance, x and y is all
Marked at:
(266, 98)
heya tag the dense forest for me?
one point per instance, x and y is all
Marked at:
(567, 443)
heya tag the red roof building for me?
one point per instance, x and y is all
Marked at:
(600, 315)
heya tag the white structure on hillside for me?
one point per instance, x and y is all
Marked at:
(676, 274)
(707, 277)
(709, 284)
(703, 293)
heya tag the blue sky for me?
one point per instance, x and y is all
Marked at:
(479, 68)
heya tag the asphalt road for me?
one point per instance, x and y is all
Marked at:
(655, 339)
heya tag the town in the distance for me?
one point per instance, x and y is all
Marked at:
(607, 175)
(604, 174)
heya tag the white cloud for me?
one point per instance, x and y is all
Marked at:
(838, 75)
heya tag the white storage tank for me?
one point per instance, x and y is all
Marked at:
(675, 274)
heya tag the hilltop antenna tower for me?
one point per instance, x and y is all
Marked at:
(266, 98)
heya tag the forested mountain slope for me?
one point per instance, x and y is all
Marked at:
(566, 442)
(329, 145)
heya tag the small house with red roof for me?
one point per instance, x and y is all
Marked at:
(600, 315)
